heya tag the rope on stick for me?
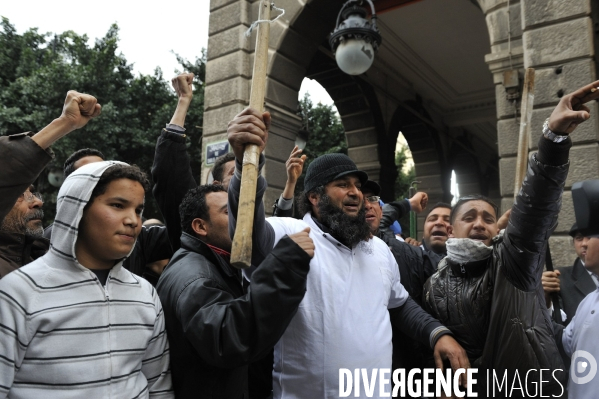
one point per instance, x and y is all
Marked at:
(248, 32)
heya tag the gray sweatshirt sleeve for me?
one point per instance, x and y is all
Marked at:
(263, 235)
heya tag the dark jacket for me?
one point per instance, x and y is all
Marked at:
(215, 327)
(575, 285)
(419, 263)
(17, 250)
(496, 306)
(172, 178)
(22, 161)
(415, 265)
(408, 353)
(152, 245)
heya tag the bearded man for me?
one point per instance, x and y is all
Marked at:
(21, 233)
(343, 320)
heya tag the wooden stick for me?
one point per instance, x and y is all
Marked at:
(528, 97)
(522, 164)
(241, 251)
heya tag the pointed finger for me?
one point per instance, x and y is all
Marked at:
(587, 93)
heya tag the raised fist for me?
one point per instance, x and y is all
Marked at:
(79, 108)
(248, 127)
(419, 201)
(183, 85)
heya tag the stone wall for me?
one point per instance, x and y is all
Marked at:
(556, 38)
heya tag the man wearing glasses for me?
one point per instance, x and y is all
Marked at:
(23, 159)
(21, 233)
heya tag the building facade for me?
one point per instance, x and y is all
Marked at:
(438, 77)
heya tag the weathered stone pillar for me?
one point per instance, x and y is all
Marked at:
(555, 37)
(228, 83)
(558, 43)
(228, 70)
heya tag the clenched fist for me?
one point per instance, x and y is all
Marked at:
(248, 127)
(183, 85)
(79, 109)
(419, 201)
(304, 241)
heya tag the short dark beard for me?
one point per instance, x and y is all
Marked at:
(13, 224)
(349, 230)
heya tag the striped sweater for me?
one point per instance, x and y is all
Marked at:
(64, 335)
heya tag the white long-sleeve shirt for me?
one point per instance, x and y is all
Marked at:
(580, 342)
(343, 320)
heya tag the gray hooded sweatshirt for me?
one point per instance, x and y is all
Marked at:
(64, 335)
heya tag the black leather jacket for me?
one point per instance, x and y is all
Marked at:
(495, 307)
(215, 326)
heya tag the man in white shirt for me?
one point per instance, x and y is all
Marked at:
(343, 320)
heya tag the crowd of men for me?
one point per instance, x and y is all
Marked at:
(100, 304)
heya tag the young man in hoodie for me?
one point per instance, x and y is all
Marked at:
(75, 323)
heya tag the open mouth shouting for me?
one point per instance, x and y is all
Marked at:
(479, 237)
(351, 206)
(370, 217)
(439, 234)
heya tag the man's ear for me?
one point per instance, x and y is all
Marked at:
(450, 231)
(200, 227)
(313, 198)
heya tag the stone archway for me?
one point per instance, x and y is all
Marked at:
(426, 148)
(529, 33)
(367, 104)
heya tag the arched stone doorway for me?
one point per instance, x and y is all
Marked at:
(414, 62)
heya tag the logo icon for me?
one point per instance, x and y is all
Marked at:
(584, 367)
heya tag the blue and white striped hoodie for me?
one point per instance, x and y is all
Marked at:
(64, 335)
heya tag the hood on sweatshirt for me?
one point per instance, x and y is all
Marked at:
(73, 196)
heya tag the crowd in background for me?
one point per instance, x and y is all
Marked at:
(104, 304)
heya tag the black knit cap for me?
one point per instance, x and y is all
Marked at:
(371, 187)
(329, 167)
(573, 230)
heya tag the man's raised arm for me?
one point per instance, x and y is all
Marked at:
(535, 211)
(24, 158)
(250, 127)
(171, 170)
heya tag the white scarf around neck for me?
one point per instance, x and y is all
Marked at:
(466, 250)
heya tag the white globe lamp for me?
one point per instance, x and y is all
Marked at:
(356, 39)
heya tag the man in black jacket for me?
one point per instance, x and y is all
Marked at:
(487, 290)
(415, 266)
(217, 322)
(573, 283)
